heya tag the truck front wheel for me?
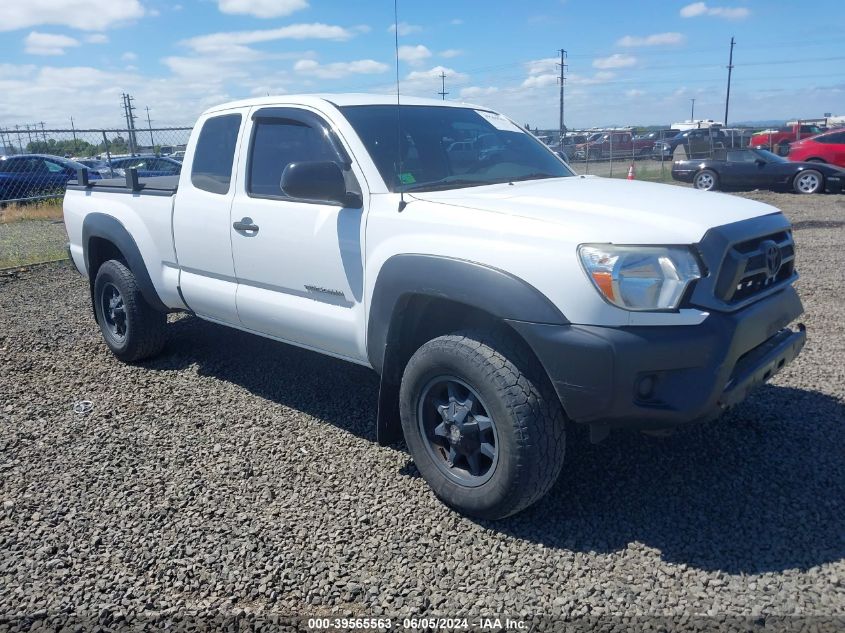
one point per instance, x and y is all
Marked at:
(482, 422)
(131, 328)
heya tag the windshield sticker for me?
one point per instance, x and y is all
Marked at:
(498, 121)
(407, 178)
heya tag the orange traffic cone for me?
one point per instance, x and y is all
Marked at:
(631, 172)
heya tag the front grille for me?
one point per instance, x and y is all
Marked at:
(734, 266)
(746, 270)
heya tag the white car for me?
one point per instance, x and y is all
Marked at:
(498, 295)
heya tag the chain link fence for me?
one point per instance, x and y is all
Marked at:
(649, 155)
(38, 163)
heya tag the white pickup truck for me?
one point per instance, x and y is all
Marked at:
(498, 295)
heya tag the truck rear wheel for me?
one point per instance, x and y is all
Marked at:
(131, 328)
(482, 422)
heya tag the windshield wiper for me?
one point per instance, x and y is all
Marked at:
(535, 176)
(446, 184)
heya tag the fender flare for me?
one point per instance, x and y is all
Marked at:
(108, 228)
(486, 288)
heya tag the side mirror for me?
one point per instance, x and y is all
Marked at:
(760, 162)
(320, 181)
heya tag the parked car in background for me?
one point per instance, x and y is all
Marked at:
(35, 175)
(180, 155)
(828, 147)
(778, 140)
(758, 169)
(566, 150)
(149, 166)
(614, 144)
(656, 136)
(100, 167)
(696, 143)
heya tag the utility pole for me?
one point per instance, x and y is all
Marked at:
(443, 92)
(75, 142)
(150, 127)
(43, 133)
(692, 111)
(730, 68)
(126, 117)
(18, 132)
(562, 80)
(28, 134)
(128, 111)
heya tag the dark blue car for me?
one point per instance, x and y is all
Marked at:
(149, 166)
(36, 175)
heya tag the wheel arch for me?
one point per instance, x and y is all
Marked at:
(419, 297)
(104, 238)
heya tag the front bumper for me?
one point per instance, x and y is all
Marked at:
(660, 377)
(835, 184)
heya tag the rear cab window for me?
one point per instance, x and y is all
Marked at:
(214, 154)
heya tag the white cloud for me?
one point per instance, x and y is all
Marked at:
(472, 92)
(87, 15)
(701, 8)
(215, 42)
(542, 66)
(338, 70)
(414, 55)
(262, 8)
(634, 93)
(48, 43)
(449, 53)
(658, 39)
(434, 73)
(539, 81)
(617, 60)
(129, 56)
(456, 22)
(97, 38)
(404, 28)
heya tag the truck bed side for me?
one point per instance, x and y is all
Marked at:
(146, 215)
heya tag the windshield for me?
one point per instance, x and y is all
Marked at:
(769, 156)
(448, 148)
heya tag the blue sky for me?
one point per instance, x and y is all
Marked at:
(630, 62)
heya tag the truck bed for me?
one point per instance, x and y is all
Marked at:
(150, 186)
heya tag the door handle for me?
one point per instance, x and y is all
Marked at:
(245, 224)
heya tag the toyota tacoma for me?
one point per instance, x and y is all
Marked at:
(499, 296)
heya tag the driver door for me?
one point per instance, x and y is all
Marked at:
(298, 263)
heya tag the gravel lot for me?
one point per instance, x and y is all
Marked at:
(236, 476)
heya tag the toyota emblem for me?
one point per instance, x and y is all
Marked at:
(774, 259)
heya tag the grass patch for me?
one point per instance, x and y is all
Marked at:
(44, 210)
(29, 241)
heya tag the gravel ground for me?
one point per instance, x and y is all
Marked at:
(235, 476)
(30, 241)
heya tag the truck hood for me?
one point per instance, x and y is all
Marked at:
(609, 209)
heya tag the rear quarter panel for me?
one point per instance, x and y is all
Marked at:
(146, 218)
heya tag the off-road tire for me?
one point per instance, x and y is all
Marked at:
(529, 420)
(144, 326)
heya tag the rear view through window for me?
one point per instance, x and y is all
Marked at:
(215, 153)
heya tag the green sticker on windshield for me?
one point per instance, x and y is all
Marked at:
(407, 178)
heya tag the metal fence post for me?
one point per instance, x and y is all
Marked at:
(611, 154)
(108, 154)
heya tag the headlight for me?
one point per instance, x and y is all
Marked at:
(640, 277)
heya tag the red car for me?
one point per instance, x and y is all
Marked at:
(778, 141)
(822, 148)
